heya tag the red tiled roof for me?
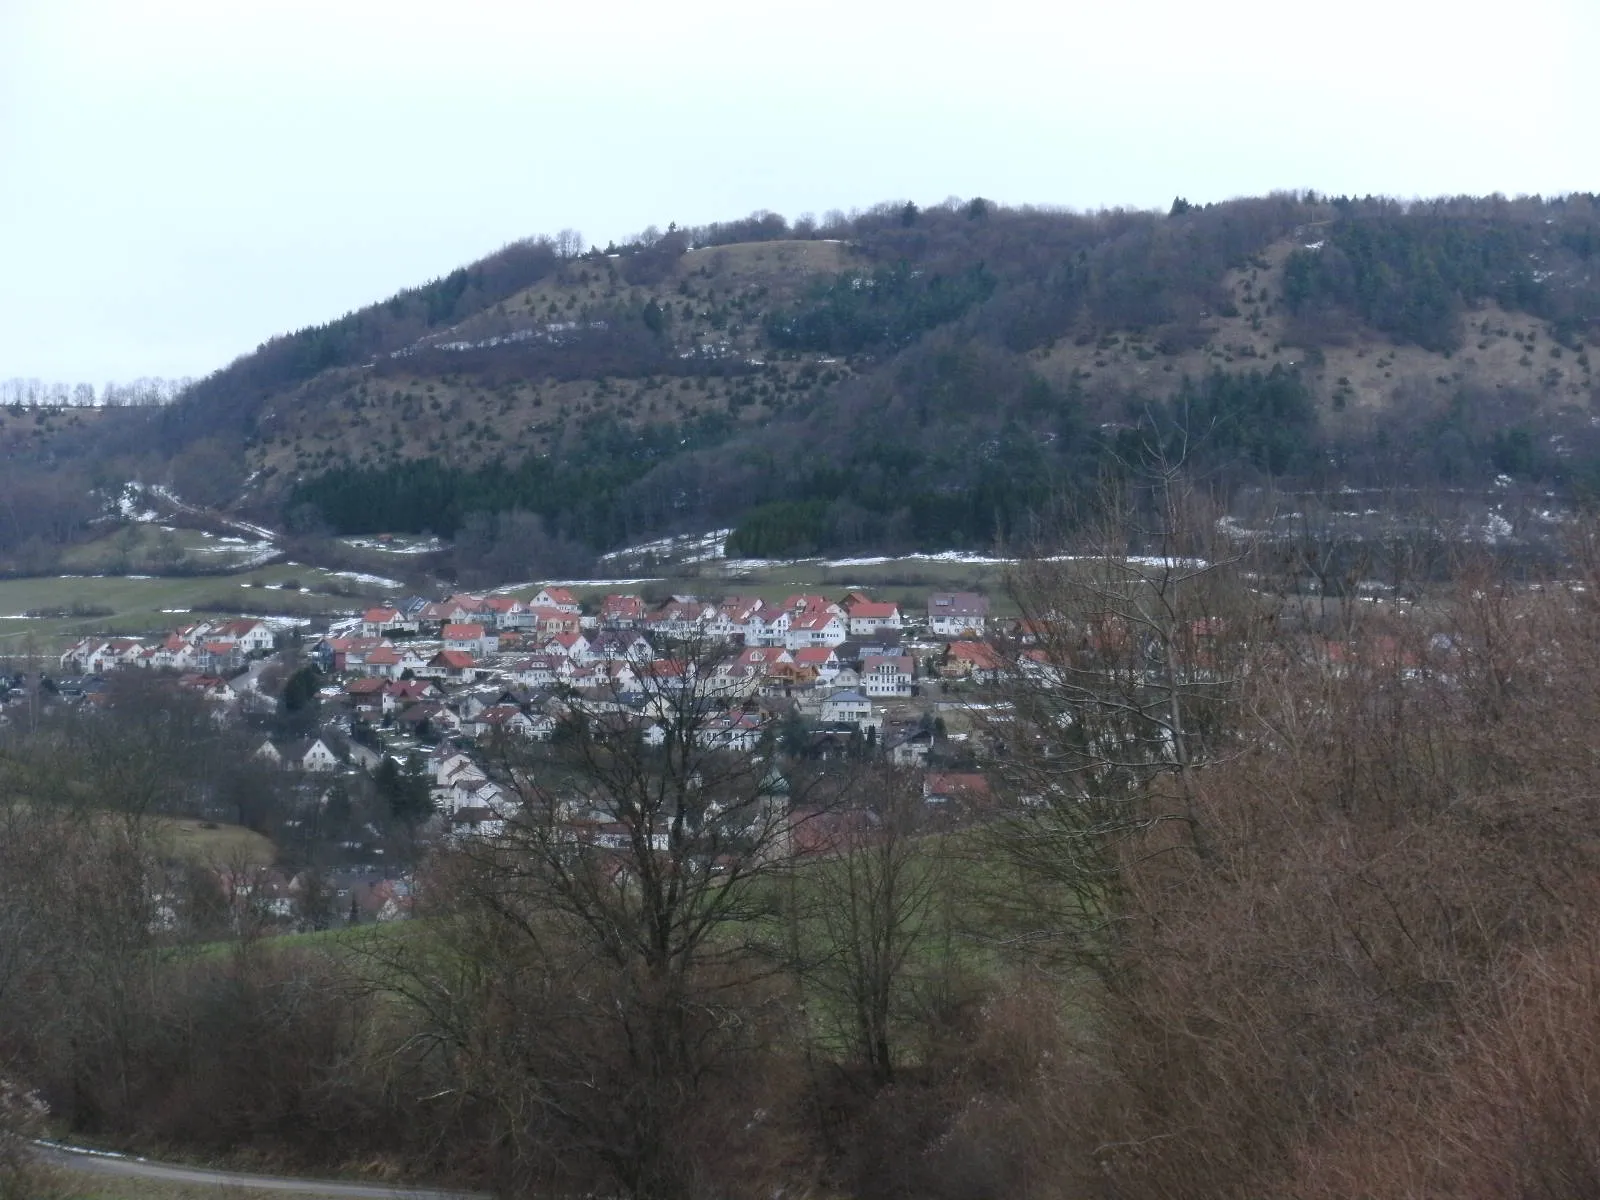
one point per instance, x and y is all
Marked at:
(873, 609)
(979, 654)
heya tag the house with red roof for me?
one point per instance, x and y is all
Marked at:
(970, 659)
(570, 645)
(454, 665)
(382, 663)
(471, 639)
(969, 790)
(682, 617)
(549, 621)
(383, 622)
(249, 635)
(507, 612)
(823, 660)
(816, 627)
(621, 612)
(542, 670)
(868, 617)
(558, 598)
(410, 691)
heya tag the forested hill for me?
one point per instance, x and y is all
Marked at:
(913, 377)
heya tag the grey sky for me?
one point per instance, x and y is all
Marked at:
(180, 180)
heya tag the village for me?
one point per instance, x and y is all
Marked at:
(440, 686)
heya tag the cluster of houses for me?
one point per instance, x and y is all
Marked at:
(460, 671)
(208, 648)
(443, 677)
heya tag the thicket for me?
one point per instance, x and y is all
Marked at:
(1278, 893)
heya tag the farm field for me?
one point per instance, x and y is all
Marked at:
(208, 844)
(140, 604)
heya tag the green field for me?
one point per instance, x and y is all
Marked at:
(140, 605)
(140, 547)
(208, 844)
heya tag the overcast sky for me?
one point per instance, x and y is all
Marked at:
(180, 180)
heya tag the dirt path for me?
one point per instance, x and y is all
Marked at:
(99, 1163)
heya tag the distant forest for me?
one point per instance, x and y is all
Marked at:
(944, 432)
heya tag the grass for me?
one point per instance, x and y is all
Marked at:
(207, 844)
(138, 547)
(140, 605)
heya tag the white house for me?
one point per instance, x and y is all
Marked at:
(739, 731)
(951, 614)
(313, 755)
(558, 598)
(847, 708)
(541, 670)
(869, 617)
(381, 622)
(886, 675)
(507, 612)
(471, 639)
(573, 646)
(815, 629)
(251, 637)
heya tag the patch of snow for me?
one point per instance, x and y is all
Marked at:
(427, 547)
(544, 583)
(361, 577)
(1496, 528)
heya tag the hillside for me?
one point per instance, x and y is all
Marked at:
(899, 379)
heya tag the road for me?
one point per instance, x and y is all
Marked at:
(96, 1163)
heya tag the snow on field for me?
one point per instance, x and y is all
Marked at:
(394, 547)
(948, 556)
(568, 583)
(374, 580)
(248, 554)
(689, 548)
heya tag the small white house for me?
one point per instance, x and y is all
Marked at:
(869, 617)
(849, 708)
(471, 639)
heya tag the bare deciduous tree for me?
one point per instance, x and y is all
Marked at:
(606, 986)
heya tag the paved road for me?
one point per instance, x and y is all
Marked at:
(138, 1168)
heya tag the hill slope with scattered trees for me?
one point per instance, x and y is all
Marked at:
(902, 378)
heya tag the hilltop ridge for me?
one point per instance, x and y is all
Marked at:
(902, 379)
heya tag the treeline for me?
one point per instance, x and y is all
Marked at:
(581, 492)
(1412, 273)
